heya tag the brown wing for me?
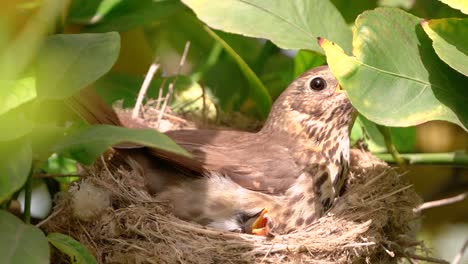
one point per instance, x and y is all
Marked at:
(249, 160)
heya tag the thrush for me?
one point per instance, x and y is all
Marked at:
(294, 167)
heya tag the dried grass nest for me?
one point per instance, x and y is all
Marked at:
(111, 213)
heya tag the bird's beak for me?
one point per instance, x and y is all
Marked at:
(259, 227)
(339, 89)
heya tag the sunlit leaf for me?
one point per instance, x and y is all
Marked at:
(14, 124)
(21, 243)
(16, 56)
(461, 5)
(67, 63)
(15, 93)
(87, 144)
(293, 24)
(15, 164)
(78, 253)
(395, 78)
(450, 42)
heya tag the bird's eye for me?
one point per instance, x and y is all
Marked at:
(317, 84)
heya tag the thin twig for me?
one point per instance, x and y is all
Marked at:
(144, 87)
(268, 252)
(441, 202)
(172, 85)
(428, 259)
(204, 104)
(52, 215)
(160, 99)
(460, 254)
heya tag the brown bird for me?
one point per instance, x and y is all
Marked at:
(294, 167)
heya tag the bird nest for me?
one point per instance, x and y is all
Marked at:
(111, 213)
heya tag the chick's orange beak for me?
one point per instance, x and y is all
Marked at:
(260, 227)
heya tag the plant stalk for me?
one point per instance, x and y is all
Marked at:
(27, 198)
(449, 158)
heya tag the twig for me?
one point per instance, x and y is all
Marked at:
(52, 215)
(171, 85)
(204, 104)
(441, 202)
(428, 259)
(268, 253)
(160, 99)
(144, 87)
(459, 256)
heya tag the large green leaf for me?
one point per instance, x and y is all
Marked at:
(461, 5)
(14, 124)
(450, 41)
(67, 63)
(15, 164)
(395, 78)
(15, 93)
(78, 253)
(21, 243)
(87, 144)
(293, 24)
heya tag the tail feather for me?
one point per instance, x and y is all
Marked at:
(92, 108)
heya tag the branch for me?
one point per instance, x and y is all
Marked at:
(459, 256)
(144, 87)
(449, 158)
(428, 259)
(441, 202)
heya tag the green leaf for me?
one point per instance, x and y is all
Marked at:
(257, 91)
(87, 144)
(124, 15)
(293, 24)
(395, 78)
(14, 124)
(21, 243)
(69, 62)
(78, 253)
(15, 164)
(15, 93)
(461, 5)
(449, 41)
(306, 60)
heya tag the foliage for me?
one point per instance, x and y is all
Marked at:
(401, 65)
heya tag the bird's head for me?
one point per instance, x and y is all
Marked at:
(314, 100)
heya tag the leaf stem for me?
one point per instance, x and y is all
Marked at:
(449, 158)
(27, 198)
(213, 57)
(390, 146)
